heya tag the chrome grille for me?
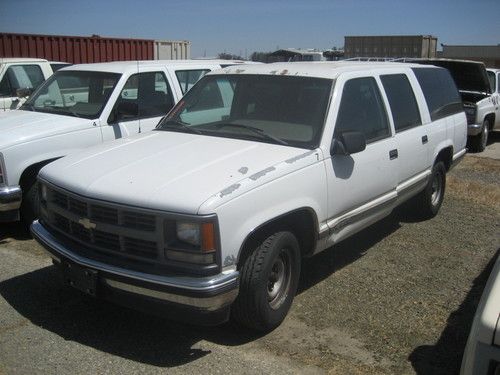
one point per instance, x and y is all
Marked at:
(104, 227)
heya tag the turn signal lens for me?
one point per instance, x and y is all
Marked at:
(207, 237)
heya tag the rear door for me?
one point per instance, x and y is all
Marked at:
(362, 186)
(411, 135)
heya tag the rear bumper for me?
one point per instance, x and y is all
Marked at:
(204, 297)
(10, 201)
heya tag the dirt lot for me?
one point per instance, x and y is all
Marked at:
(397, 298)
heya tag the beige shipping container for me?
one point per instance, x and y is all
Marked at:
(172, 49)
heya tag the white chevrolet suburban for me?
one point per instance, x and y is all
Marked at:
(19, 77)
(255, 168)
(82, 106)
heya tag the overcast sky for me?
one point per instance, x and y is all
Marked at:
(246, 26)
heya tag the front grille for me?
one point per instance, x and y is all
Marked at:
(103, 227)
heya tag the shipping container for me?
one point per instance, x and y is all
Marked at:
(75, 49)
(391, 46)
(172, 50)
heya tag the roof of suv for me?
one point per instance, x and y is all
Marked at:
(5, 60)
(320, 69)
(131, 66)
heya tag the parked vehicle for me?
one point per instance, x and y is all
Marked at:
(482, 352)
(494, 78)
(19, 77)
(480, 102)
(81, 106)
(257, 167)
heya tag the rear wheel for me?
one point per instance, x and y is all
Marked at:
(429, 201)
(269, 279)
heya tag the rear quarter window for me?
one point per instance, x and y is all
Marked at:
(440, 92)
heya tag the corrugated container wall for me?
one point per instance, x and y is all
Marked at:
(75, 49)
(172, 50)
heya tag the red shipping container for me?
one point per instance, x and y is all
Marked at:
(75, 49)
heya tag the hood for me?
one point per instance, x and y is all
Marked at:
(468, 75)
(169, 171)
(20, 126)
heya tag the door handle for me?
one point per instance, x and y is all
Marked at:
(393, 154)
(424, 139)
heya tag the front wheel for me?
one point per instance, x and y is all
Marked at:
(269, 279)
(478, 143)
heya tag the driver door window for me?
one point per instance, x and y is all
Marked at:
(20, 77)
(362, 110)
(145, 95)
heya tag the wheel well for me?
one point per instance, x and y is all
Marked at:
(446, 156)
(302, 223)
(491, 119)
(31, 172)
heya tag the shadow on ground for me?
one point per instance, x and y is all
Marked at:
(40, 297)
(16, 231)
(445, 357)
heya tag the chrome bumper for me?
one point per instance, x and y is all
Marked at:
(10, 198)
(203, 293)
(474, 129)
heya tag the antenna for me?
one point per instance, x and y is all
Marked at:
(138, 101)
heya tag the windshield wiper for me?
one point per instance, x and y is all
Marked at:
(179, 124)
(255, 131)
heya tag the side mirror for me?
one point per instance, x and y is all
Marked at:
(23, 93)
(348, 143)
(124, 111)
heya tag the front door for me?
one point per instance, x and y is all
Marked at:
(361, 186)
(144, 99)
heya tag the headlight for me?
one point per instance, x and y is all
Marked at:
(3, 178)
(191, 241)
(189, 232)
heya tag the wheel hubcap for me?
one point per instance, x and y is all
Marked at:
(436, 189)
(278, 282)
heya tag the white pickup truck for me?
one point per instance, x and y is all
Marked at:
(256, 167)
(81, 106)
(19, 77)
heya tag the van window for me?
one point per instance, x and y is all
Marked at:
(491, 79)
(362, 110)
(440, 92)
(404, 108)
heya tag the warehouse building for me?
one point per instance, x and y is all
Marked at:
(394, 46)
(489, 55)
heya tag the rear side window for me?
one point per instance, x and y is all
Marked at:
(402, 100)
(362, 110)
(440, 92)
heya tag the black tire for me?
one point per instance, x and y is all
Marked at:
(262, 303)
(429, 201)
(478, 143)
(30, 206)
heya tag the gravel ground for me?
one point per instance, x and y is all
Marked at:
(398, 298)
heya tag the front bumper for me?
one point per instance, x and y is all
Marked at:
(10, 201)
(474, 129)
(205, 295)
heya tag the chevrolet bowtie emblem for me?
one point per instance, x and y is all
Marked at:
(87, 224)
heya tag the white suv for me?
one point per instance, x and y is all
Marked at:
(81, 106)
(257, 167)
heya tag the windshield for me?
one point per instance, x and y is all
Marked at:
(274, 109)
(74, 93)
